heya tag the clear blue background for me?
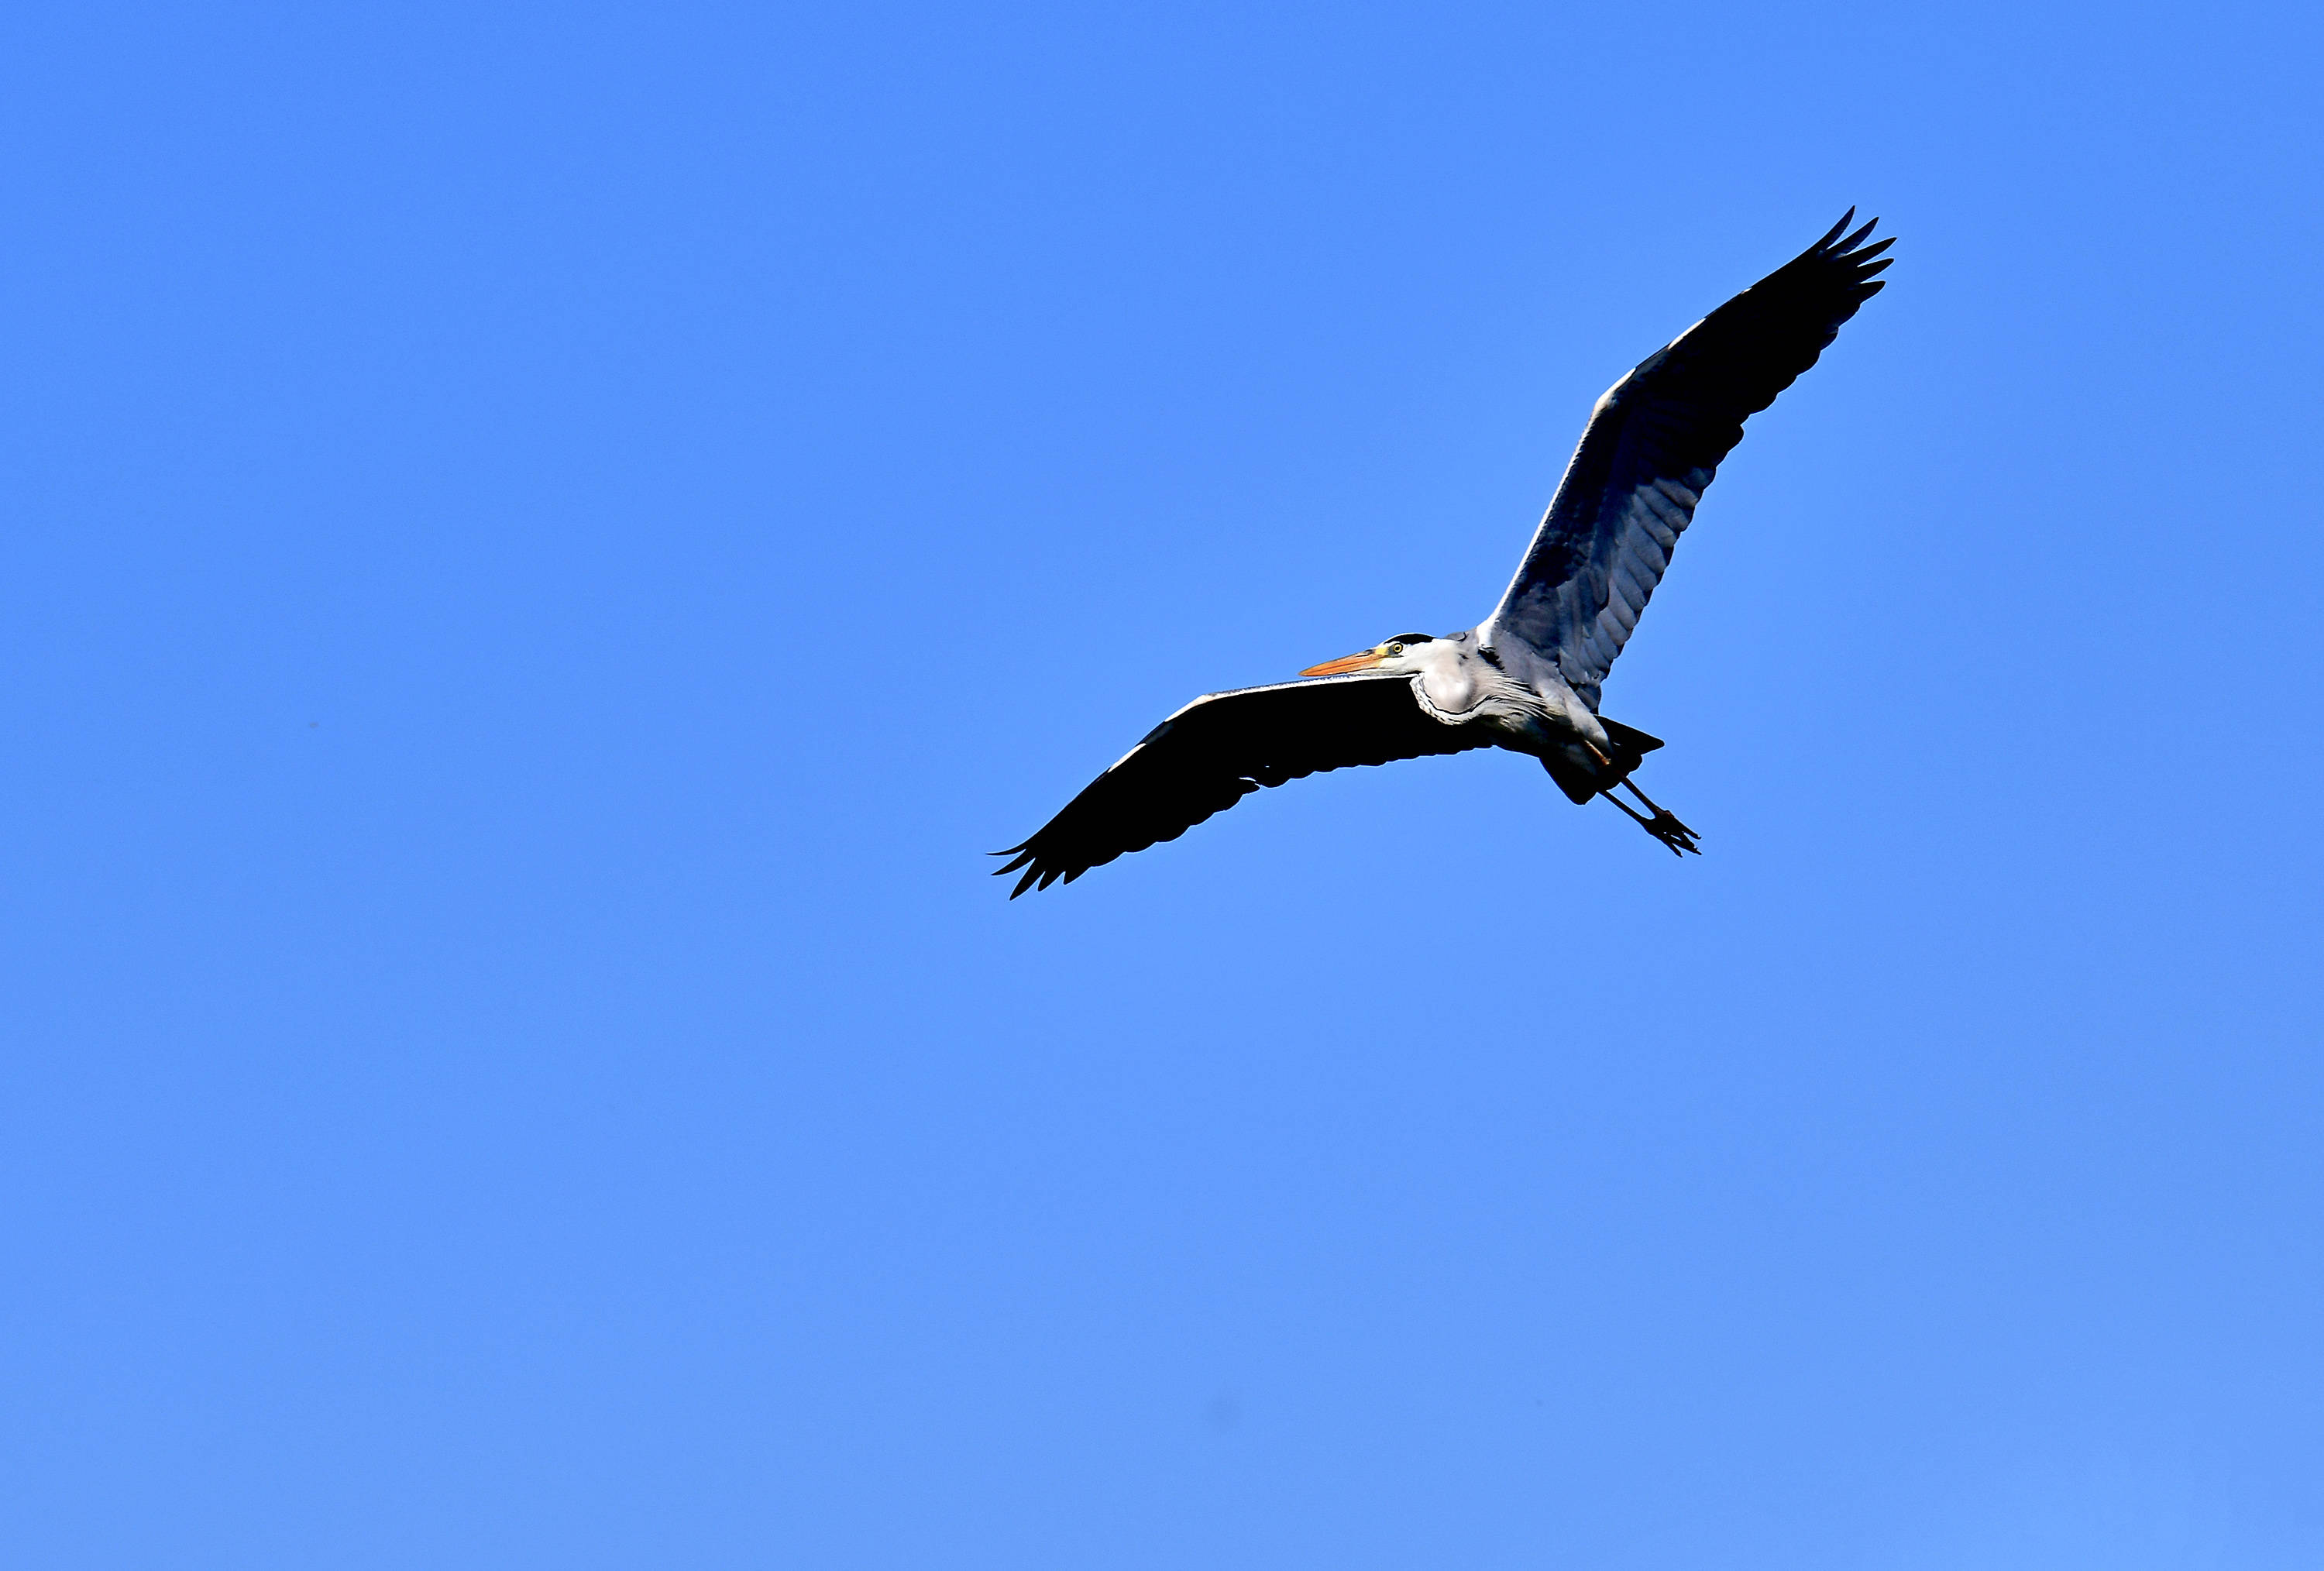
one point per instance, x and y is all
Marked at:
(542, 544)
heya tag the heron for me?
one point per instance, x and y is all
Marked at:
(1529, 677)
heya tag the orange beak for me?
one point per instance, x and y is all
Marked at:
(1363, 661)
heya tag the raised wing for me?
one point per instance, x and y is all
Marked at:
(1654, 441)
(1221, 748)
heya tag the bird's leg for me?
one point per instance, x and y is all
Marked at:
(1664, 825)
(1652, 806)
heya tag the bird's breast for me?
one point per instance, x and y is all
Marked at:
(1450, 690)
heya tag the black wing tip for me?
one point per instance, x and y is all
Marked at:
(1842, 244)
(1035, 872)
(1842, 258)
(1837, 230)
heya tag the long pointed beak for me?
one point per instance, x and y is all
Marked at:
(1363, 661)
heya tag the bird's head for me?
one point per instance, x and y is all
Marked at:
(1405, 652)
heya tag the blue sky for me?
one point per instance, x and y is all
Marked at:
(543, 543)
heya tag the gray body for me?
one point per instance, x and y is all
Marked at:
(1517, 694)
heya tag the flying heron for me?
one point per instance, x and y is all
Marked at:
(1527, 677)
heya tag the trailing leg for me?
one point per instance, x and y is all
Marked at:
(1583, 770)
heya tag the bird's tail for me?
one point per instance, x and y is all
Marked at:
(1582, 772)
(1630, 746)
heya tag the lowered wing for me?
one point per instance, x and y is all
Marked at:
(1654, 443)
(1221, 748)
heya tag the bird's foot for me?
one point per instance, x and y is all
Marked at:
(1664, 825)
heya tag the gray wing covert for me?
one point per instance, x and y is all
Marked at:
(1655, 441)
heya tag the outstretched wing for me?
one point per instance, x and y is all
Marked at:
(1221, 748)
(1654, 441)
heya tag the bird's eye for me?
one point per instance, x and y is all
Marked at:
(1394, 650)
